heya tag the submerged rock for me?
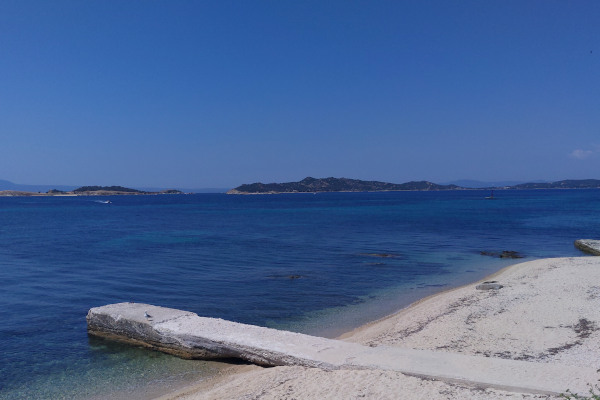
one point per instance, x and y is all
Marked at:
(510, 254)
(380, 255)
(503, 254)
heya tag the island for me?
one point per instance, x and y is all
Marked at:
(89, 191)
(312, 185)
(565, 184)
(318, 185)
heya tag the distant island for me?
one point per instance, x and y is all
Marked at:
(313, 185)
(318, 185)
(88, 191)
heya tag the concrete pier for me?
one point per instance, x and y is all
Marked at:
(589, 246)
(187, 335)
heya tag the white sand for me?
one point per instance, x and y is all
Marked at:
(547, 312)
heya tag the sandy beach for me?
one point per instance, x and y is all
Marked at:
(547, 311)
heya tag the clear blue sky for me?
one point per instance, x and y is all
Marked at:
(219, 93)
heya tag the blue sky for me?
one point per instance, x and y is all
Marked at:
(220, 93)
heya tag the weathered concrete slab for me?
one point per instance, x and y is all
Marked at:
(187, 335)
(589, 246)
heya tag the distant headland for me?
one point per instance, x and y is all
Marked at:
(88, 191)
(318, 185)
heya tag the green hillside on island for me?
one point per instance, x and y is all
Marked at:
(88, 191)
(314, 185)
(115, 190)
(310, 185)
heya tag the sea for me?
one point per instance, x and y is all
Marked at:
(320, 263)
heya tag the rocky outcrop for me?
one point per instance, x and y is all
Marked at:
(589, 246)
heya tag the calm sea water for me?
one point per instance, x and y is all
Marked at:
(303, 262)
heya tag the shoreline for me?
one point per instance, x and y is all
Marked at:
(408, 308)
(232, 371)
(459, 320)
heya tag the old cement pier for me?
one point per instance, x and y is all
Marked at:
(187, 335)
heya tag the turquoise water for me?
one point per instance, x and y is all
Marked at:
(234, 257)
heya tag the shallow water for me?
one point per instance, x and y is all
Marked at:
(310, 263)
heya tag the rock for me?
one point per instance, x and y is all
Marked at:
(380, 255)
(503, 254)
(589, 246)
(510, 254)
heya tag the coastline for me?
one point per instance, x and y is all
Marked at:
(397, 314)
(460, 320)
(235, 372)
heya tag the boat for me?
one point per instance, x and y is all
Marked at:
(491, 196)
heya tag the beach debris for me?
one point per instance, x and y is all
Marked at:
(503, 254)
(489, 285)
